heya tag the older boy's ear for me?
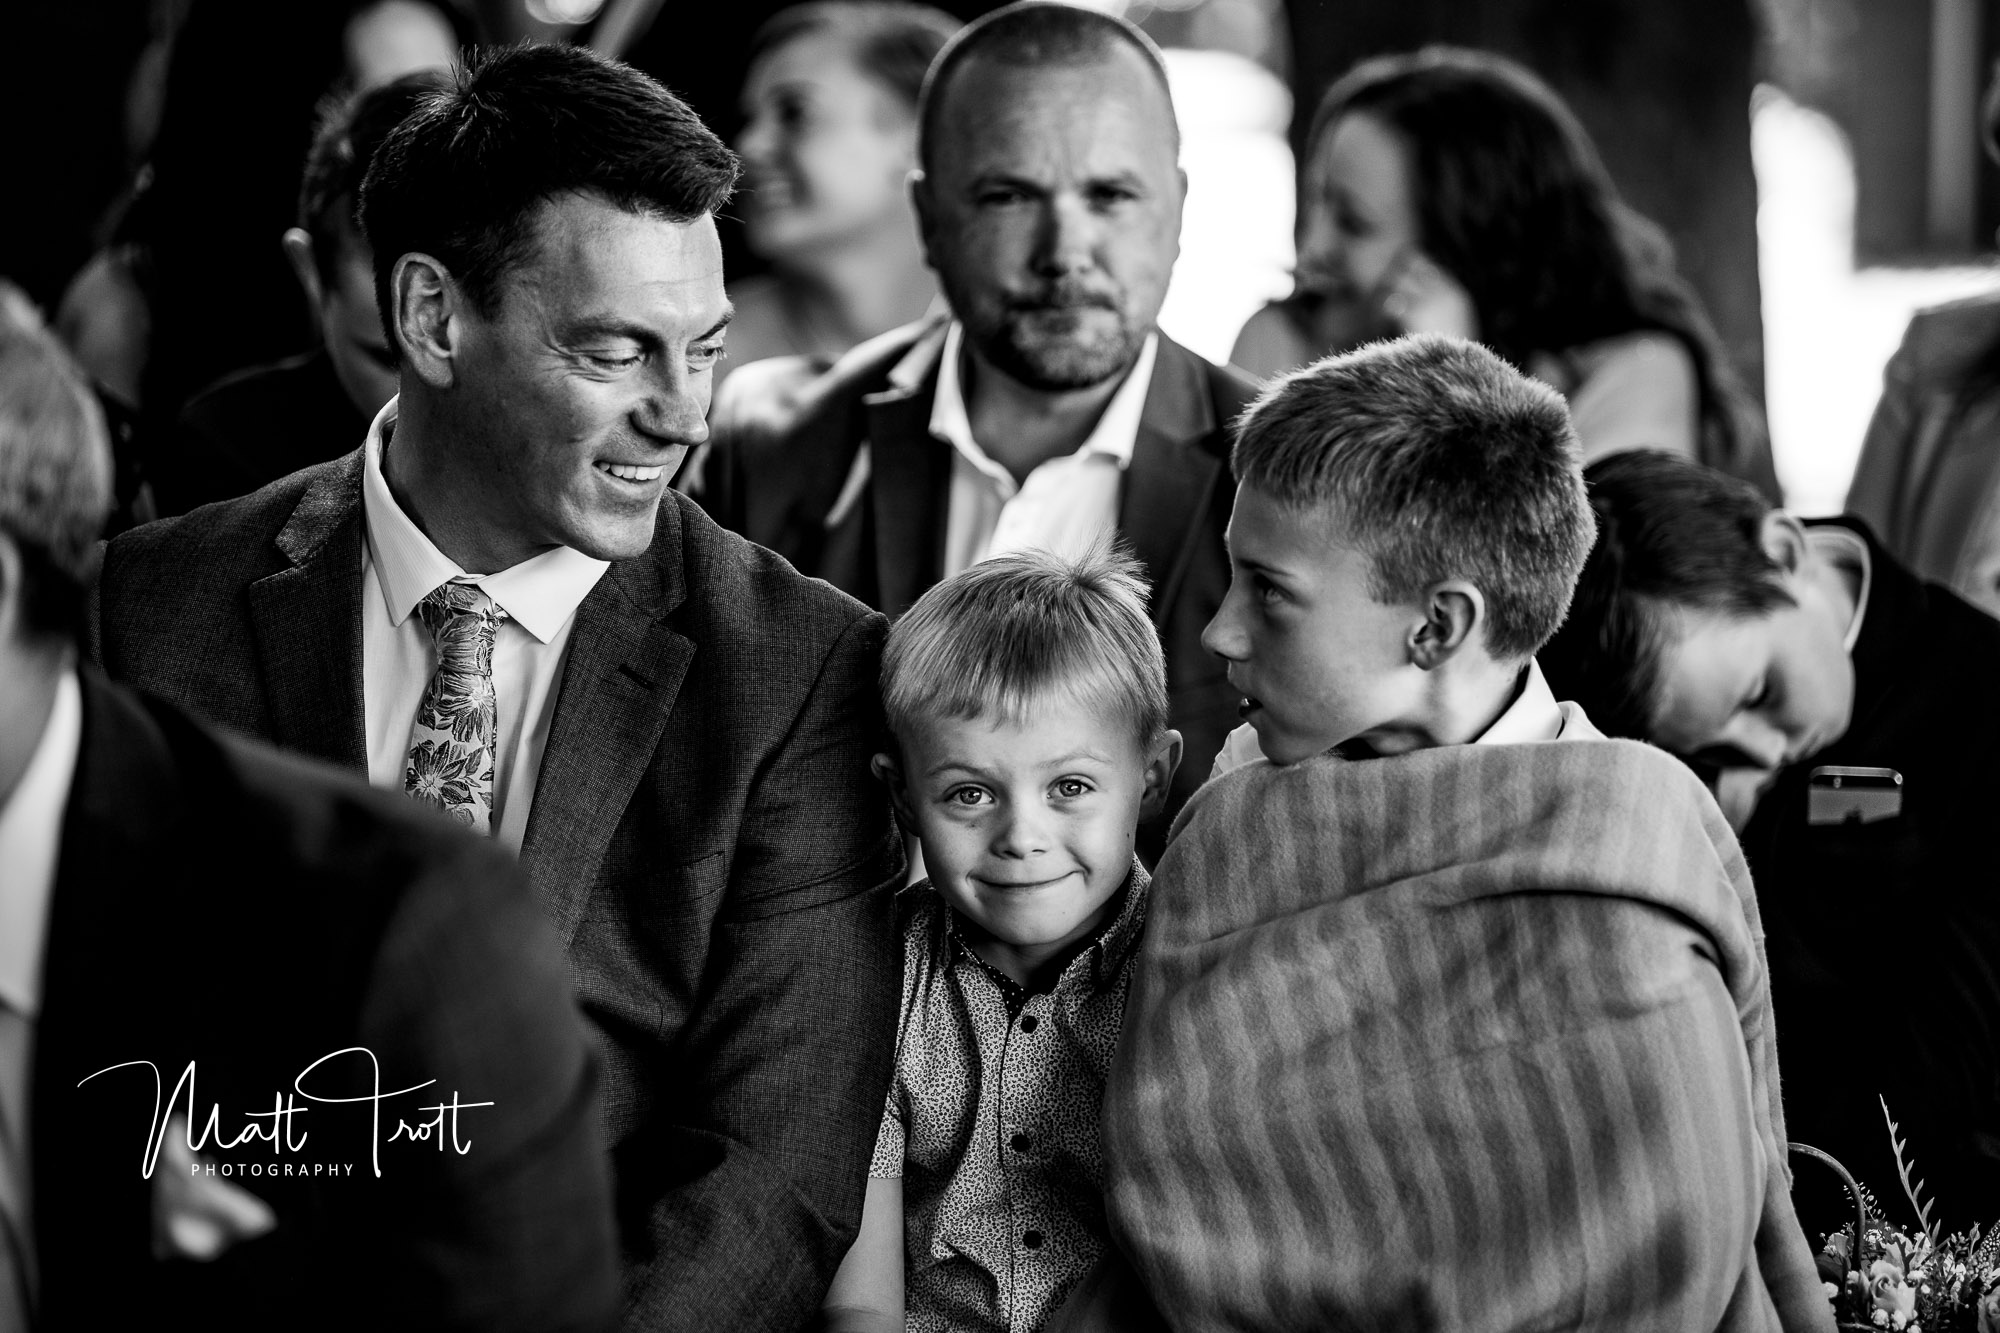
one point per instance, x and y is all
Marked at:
(1454, 612)
(889, 772)
(1161, 764)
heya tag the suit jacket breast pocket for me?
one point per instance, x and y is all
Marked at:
(702, 878)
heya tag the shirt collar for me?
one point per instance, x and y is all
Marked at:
(1533, 716)
(1114, 436)
(30, 839)
(1841, 547)
(1100, 964)
(539, 594)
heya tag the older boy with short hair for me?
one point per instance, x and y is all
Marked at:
(1847, 711)
(1440, 1025)
(1027, 696)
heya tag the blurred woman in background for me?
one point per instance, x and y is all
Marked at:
(830, 137)
(1451, 191)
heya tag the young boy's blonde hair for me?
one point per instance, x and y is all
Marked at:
(1008, 634)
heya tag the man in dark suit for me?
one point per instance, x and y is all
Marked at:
(177, 906)
(1050, 411)
(498, 606)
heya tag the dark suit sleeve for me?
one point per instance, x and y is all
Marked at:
(790, 1043)
(517, 1232)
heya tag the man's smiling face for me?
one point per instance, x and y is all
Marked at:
(575, 402)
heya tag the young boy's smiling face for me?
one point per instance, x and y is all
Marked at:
(1028, 824)
(1319, 660)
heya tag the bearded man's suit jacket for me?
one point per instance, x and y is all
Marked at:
(221, 907)
(705, 835)
(785, 449)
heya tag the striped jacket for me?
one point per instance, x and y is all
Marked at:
(1475, 1038)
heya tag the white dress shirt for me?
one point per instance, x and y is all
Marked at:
(1533, 716)
(30, 836)
(399, 568)
(1066, 505)
(30, 839)
(1844, 550)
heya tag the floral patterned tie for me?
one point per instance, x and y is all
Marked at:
(456, 737)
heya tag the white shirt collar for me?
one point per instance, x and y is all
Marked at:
(539, 594)
(30, 840)
(1115, 435)
(1839, 546)
(1533, 716)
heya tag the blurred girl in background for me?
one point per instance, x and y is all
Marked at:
(830, 136)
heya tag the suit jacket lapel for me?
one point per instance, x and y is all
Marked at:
(910, 490)
(106, 918)
(908, 498)
(1171, 480)
(308, 623)
(619, 680)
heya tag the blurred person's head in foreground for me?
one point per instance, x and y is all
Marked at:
(830, 125)
(548, 272)
(1028, 699)
(1704, 620)
(55, 490)
(1050, 193)
(1410, 519)
(1452, 190)
(325, 247)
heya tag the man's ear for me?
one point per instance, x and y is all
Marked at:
(1454, 612)
(919, 186)
(430, 316)
(298, 247)
(1161, 763)
(889, 771)
(1784, 540)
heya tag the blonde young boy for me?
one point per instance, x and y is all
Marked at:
(1027, 697)
(1452, 1013)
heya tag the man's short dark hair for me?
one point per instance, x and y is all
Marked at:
(1033, 34)
(55, 470)
(463, 177)
(350, 127)
(1672, 536)
(893, 41)
(1440, 461)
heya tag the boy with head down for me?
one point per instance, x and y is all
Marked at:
(1441, 1024)
(1845, 711)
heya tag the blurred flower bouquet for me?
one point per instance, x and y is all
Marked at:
(1911, 1281)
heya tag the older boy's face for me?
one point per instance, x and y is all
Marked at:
(1027, 827)
(1320, 662)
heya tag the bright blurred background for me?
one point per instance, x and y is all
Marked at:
(1816, 162)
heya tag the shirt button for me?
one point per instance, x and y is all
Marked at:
(1020, 1142)
(1029, 1022)
(1032, 1239)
